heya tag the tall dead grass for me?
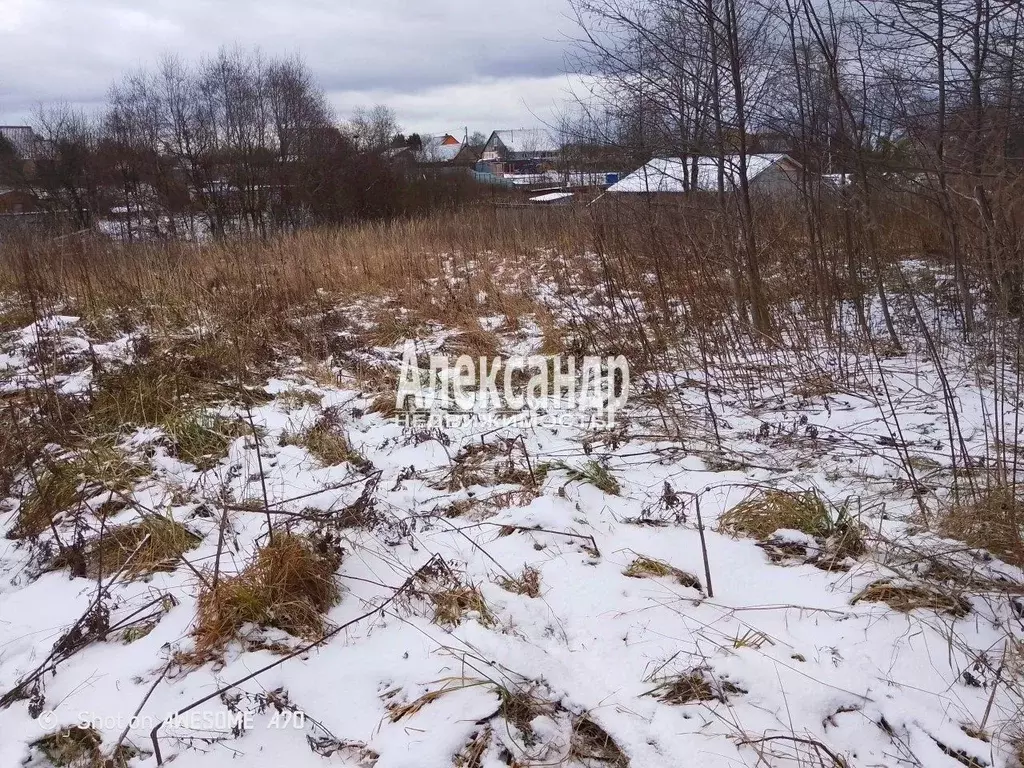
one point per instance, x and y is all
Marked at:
(290, 584)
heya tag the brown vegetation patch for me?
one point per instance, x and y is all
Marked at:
(696, 685)
(526, 583)
(326, 441)
(153, 544)
(408, 709)
(815, 386)
(647, 567)
(472, 755)
(589, 741)
(474, 341)
(79, 747)
(910, 597)
(62, 484)
(992, 520)
(56, 489)
(295, 398)
(763, 513)
(454, 604)
(74, 747)
(290, 584)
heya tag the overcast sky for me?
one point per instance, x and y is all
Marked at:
(441, 64)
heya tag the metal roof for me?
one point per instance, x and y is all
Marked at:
(525, 140)
(669, 174)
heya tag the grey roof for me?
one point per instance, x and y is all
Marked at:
(670, 174)
(526, 140)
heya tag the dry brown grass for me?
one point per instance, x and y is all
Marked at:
(456, 603)
(290, 584)
(73, 747)
(686, 689)
(60, 485)
(526, 583)
(474, 341)
(401, 711)
(910, 597)
(696, 685)
(394, 328)
(295, 398)
(56, 490)
(815, 386)
(647, 568)
(589, 741)
(171, 284)
(764, 512)
(471, 756)
(993, 520)
(326, 441)
(79, 747)
(153, 544)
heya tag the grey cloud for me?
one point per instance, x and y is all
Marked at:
(74, 49)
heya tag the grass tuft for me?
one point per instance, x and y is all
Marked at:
(326, 441)
(146, 393)
(815, 386)
(909, 597)
(73, 747)
(472, 755)
(526, 583)
(160, 542)
(696, 685)
(992, 520)
(589, 742)
(647, 568)
(402, 711)
(202, 439)
(763, 513)
(454, 604)
(56, 490)
(290, 585)
(594, 473)
(294, 398)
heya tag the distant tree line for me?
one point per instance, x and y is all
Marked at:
(921, 96)
(236, 143)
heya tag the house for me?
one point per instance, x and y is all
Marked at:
(22, 139)
(522, 150)
(439, 149)
(19, 149)
(467, 156)
(404, 155)
(16, 201)
(770, 173)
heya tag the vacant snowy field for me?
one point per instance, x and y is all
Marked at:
(512, 596)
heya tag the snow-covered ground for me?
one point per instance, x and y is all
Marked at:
(794, 671)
